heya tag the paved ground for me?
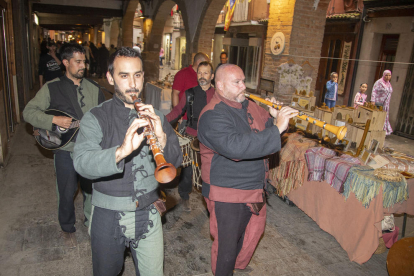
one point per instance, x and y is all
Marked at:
(31, 243)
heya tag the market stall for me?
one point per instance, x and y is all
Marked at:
(346, 200)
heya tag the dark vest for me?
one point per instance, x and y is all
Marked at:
(114, 120)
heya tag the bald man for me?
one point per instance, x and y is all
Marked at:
(185, 79)
(236, 137)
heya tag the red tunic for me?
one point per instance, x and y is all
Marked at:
(185, 79)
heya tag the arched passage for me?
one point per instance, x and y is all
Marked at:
(208, 25)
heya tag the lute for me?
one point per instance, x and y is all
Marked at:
(58, 137)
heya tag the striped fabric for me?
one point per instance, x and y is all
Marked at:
(336, 170)
(315, 159)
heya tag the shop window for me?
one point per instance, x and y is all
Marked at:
(247, 58)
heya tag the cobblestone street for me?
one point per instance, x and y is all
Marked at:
(31, 242)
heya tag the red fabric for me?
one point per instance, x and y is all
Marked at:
(252, 235)
(185, 79)
(390, 238)
(235, 195)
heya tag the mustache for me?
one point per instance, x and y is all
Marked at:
(202, 79)
(135, 90)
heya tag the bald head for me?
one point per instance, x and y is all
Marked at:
(200, 57)
(230, 82)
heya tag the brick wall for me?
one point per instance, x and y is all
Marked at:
(208, 26)
(303, 28)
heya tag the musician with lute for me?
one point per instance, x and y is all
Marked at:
(126, 164)
(55, 112)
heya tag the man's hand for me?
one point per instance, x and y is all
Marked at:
(62, 121)
(148, 110)
(282, 120)
(53, 55)
(132, 140)
(273, 111)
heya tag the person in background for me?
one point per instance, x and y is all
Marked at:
(161, 56)
(331, 94)
(95, 58)
(50, 65)
(360, 96)
(137, 48)
(185, 79)
(381, 96)
(103, 54)
(199, 97)
(112, 49)
(89, 55)
(223, 59)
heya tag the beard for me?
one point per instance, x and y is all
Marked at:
(79, 74)
(123, 96)
(203, 82)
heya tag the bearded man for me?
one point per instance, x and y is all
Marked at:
(111, 151)
(236, 136)
(73, 95)
(192, 103)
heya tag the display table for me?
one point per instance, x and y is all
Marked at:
(159, 97)
(356, 228)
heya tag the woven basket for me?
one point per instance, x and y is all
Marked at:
(381, 247)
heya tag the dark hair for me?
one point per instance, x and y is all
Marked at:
(206, 63)
(67, 50)
(122, 52)
(363, 83)
(223, 53)
(334, 73)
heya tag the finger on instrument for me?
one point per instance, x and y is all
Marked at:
(147, 107)
(136, 124)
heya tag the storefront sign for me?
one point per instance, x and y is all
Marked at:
(343, 70)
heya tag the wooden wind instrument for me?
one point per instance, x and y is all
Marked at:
(340, 132)
(164, 172)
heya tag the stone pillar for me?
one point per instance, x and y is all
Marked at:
(107, 29)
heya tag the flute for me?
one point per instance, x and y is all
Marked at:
(164, 172)
(340, 132)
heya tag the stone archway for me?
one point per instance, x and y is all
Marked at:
(205, 34)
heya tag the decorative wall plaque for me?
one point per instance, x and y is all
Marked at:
(277, 45)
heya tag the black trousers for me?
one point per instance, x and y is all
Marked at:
(186, 182)
(67, 183)
(232, 220)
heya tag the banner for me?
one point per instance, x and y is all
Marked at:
(343, 69)
(229, 15)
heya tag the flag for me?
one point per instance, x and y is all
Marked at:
(229, 14)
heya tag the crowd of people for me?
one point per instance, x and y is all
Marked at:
(51, 67)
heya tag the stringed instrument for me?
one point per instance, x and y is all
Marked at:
(58, 137)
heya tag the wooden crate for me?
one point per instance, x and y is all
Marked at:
(340, 116)
(303, 102)
(355, 133)
(362, 114)
(303, 124)
(322, 115)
